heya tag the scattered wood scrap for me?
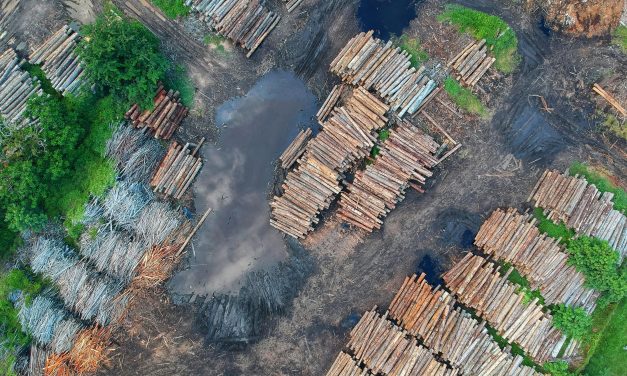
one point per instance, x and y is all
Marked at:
(59, 61)
(472, 63)
(246, 22)
(477, 284)
(292, 4)
(404, 160)
(345, 138)
(514, 238)
(177, 170)
(379, 66)
(431, 315)
(296, 149)
(582, 207)
(610, 99)
(164, 119)
(16, 87)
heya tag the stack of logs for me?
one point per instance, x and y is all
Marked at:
(16, 87)
(164, 119)
(292, 4)
(406, 156)
(513, 238)
(582, 207)
(345, 365)
(346, 137)
(385, 349)
(296, 149)
(478, 284)
(246, 22)
(177, 170)
(329, 104)
(430, 314)
(59, 60)
(373, 64)
(472, 63)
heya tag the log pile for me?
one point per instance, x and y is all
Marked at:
(246, 22)
(296, 149)
(514, 238)
(177, 170)
(164, 119)
(477, 284)
(610, 99)
(430, 314)
(345, 365)
(405, 159)
(379, 66)
(345, 138)
(386, 349)
(16, 87)
(292, 4)
(582, 207)
(330, 102)
(472, 63)
(59, 61)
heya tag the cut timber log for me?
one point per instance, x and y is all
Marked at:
(164, 119)
(16, 87)
(292, 4)
(610, 99)
(471, 63)
(176, 171)
(296, 149)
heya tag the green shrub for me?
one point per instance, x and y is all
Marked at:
(122, 58)
(177, 79)
(574, 322)
(619, 37)
(412, 46)
(602, 183)
(597, 261)
(374, 151)
(384, 134)
(556, 231)
(35, 71)
(464, 98)
(559, 368)
(172, 8)
(498, 35)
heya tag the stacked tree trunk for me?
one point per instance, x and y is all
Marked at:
(386, 349)
(177, 170)
(478, 284)
(514, 238)
(582, 207)
(330, 102)
(164, 119)
(246, 22)
(345, 365)
(472, 63)
(59, 61)
(292, 4)
(405, 158)
(345, 138)
(378, 66)
(431, 315)
(296, 149)
(16, 87)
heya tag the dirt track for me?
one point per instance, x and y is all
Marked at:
(498, 165)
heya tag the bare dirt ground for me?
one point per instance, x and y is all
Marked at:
(498, 165)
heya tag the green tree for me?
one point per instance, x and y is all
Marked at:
(122, 58)
(574, 322)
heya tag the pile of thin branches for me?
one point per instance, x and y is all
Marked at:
(90, 349)
(125, 201)
(57, 365)
(91, 295)
(135, 154)
(156, 266)
(157, 222)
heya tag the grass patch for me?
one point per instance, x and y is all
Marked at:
(216, 41)
(464, 98)
(497, 33)
(178, 79)
(602, 183)
(556, 231)
(172, 8)
(619, 38)
(604, 346)
(412, 46)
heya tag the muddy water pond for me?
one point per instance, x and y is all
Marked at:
(235, 182)
(386, 17)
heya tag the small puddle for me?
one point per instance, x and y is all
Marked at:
(431, 268)
(386, 17)
(237, 175)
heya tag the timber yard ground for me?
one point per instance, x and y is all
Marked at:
(498, 165)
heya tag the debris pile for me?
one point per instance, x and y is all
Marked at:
(472, 63)
(379, 66)
(346, 137)
(582, 207)
(16, 87)
(246, 22)
(405, 159)
(177, 170)
(164, 119)
(59, 60)
(477, 284)
(513, 238)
